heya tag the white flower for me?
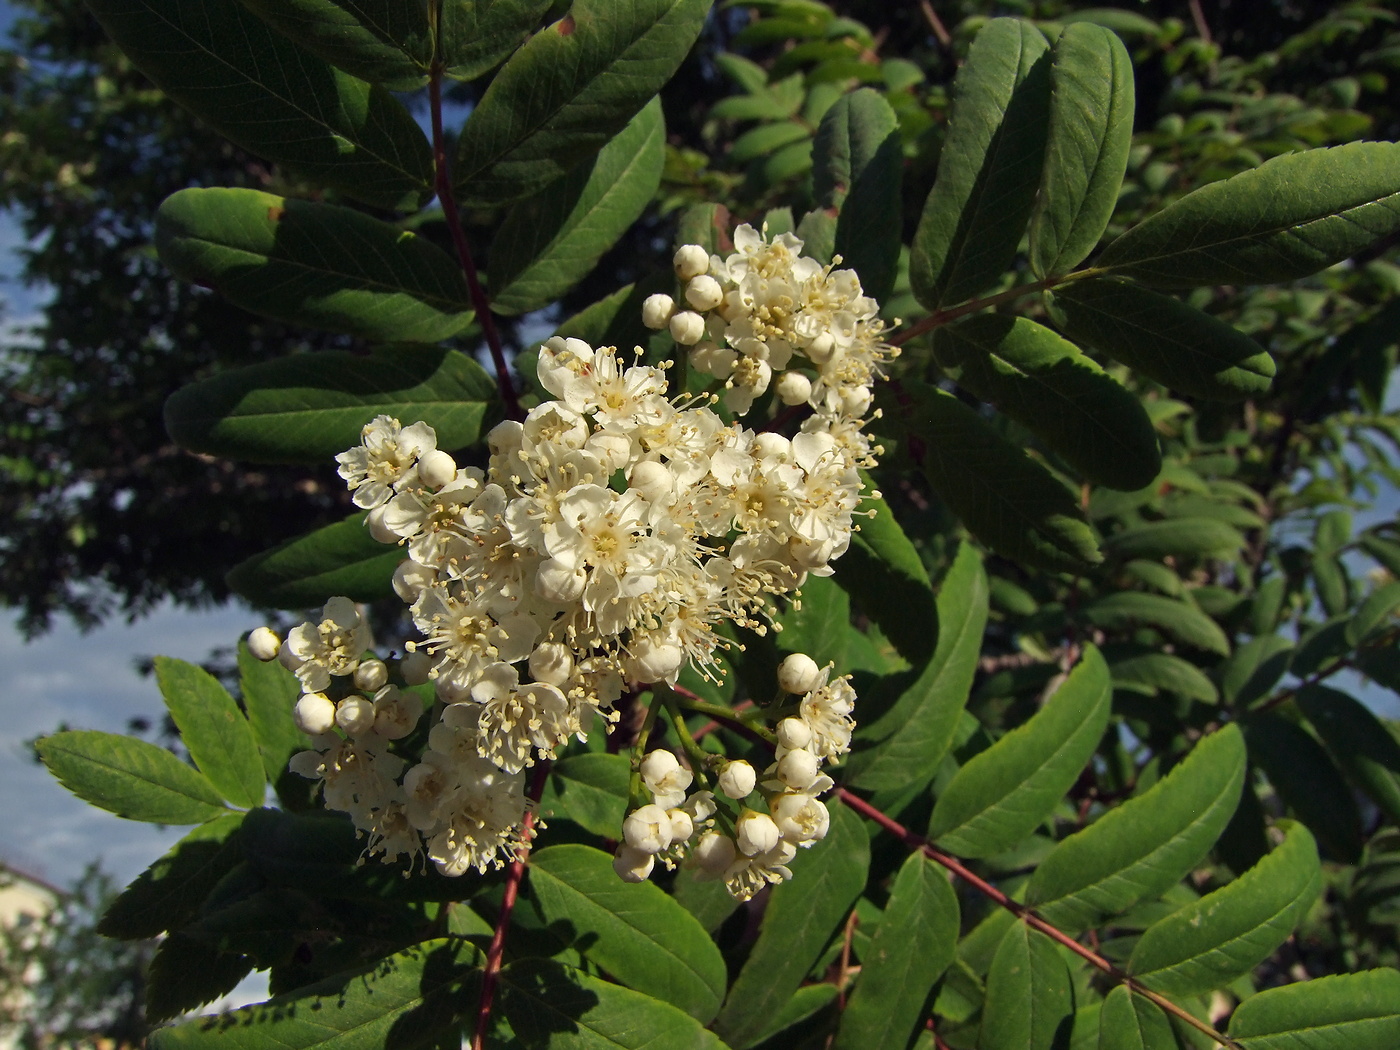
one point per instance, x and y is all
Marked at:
(799, 769)
(827, 712)
(682, 825)
(737, 780)
(714, 853)
(332, 646)
(371, 675)
(793, 733)
(374, 469)
(755, 832)
(518, 720)
(746, 875)
(647, 828)
(801, 819)
(355, 715)
(633, 865)
(665, 778)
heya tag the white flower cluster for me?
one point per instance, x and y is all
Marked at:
(612, 531)
(734, 840)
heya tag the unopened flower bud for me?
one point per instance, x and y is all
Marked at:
(371, 675)
(799, 768)
(648, 828)
(657, 310)
(658, 764)
(633, 865)
(612, 448)
(652, 481)
(703, 292)
(856, 401)
(314, 714)
(374, 521)
(682, 826)
(436, 469)
(737, 779)
(396, 713)
(690, 261)
(264, 644)
(551, 663)
(793, 733)
(556, 581)
(801, 819)
(687, 328)
(793, 388)
(712, 359)
(411, 579)
(798, 674)
(714, 853)
(821, 348)
(414, 668)
(653, 659)
(355, 715)
(755, 833)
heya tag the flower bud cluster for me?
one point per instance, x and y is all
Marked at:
(610, 534)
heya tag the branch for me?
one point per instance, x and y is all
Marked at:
(952, 864)
(443, 180)
(941, 317)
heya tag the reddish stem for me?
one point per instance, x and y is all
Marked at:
(443, 178)
(491, 971)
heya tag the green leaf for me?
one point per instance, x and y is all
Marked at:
(409, 999)
(1176, 537)
(255, 87)
(1086, 153)
(634, 931)
(307, 408)
(1030, 996)
(1139, 850)
(1308, 782)
(1005, 498)
(213, 730)
(571, 88)
(270, 692)
(590, 790)
(1164, 671)
(1354, 1011)
(918, 729)
(185, 974)
(764, 139)
(805, 1002)
(307, 571)
(387, 42)
(1130, 1022)
(551, 241)
(999, 796)
(989, 169)
(912, 946)
(169, 893)
(1292, 216)
(1164, 339)
(797, 924)
(857, 167)
(551, 1005)
(312, 264)
(1378, 608)
(1359, 741)
(883, 572)
(1044, 383)
(474, 37)
(1127, 610)
(1209, 943)
(130, 777)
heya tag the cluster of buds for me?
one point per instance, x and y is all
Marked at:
(611, 533)
(746, 830)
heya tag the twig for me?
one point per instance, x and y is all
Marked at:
(491, 971)
(443, 181)
(845, 972)
(865, 809)
(940, 31)
(941, 317)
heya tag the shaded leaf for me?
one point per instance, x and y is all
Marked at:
(269, 692)
(1358, 741)
(1130, 1022)
(1164, 671)
(473, 37)
(590, 790)
(1177, 619)
(1354, 1011)
(219, 739)
(130, 777)
(1208, 943)
(387, 42)
(1000, 795)
(185, 975)
(307, 571)
(885, 575)
(1030, 996)
(1176, 537)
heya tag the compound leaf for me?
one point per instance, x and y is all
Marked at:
(130, 777)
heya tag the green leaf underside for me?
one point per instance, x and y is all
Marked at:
(1005, 498)
(912, 946)
(270, 692)
(916, 732)
(989, 167)
(1359, 741)
(1164, 339)
(857, 169)
(473, 37)
(386, 42)
(308, 408)
(999, 796)
(590, 790)
(634, 931)
(799, 921)
(168, 894)
(258, 89)
(571, 88)
(410, 999)
(1086, 150)
(551, 241)
(311, 264)
(307, 571)
(1029, 993)
(1210, 942)
(1175, 537)
(1292, 216)
(1044, 383)
(219, 739)
(130, 777)
(1130, 1022)
(1173, 617)
(551, 1005)
(185, 974)
(1139, 850)
(887, 579)
(1355, 1011)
